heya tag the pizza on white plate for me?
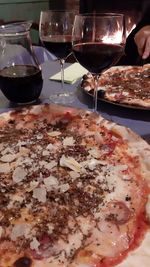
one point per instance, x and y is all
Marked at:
(129, 85)
(74, 190)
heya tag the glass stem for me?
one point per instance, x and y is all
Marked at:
(62, 62)
(95, 93)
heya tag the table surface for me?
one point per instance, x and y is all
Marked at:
(135, 119)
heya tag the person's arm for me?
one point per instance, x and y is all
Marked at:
(131, 48)
(142, 41)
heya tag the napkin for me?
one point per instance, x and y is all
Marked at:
(71, 73)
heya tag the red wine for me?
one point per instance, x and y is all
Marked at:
(96, 57)
(21, 83)
(58, 45)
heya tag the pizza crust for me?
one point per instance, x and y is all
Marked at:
(131, 102)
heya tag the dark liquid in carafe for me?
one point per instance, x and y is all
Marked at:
(21, 83)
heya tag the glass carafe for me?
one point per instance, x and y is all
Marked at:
(20, 74)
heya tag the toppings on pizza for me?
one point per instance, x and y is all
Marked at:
(128, 85)
(71, 192)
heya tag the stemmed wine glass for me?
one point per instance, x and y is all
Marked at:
(98, 42)
(55, 31)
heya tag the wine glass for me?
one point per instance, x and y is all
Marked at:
(55, 30)
(98, 42)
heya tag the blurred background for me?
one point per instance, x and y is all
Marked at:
(14, 10)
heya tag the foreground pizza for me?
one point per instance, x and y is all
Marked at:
(73, 190)
(129, 85)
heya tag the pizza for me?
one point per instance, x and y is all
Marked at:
(74, 190)
(129, 85)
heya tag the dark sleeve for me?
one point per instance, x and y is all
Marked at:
(131, 53)
(143, 22)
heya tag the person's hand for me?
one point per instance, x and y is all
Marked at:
(142, 40)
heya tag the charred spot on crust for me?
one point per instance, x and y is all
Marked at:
(11, 121)
(101, 93)
(91, 91)
(23, 262)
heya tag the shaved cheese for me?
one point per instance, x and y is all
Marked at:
(15, 198)
(50, 147)
(33, 184)
(34, 244)
(118, 188)
(94, 152)
(7, 150)
(51, 183)
(8, 158)
(22, 229)
(45, 152)
(48, 165)
(24, 151)
(24, 160)
(38, 147)
(21, 143)
(79, 184)
(18, 198)
(54, 133)
(40, 194)
(74, 175)
(4, 167)
(39, 136)
(64, 188)
(71, 163)
(42, 163)
(90, 164)
(51, 165)
(19, 174)
(68, 141)
(50, 228)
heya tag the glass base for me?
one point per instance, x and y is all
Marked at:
(62, 98)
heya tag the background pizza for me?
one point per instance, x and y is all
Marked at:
(128, 85)
(74, 190)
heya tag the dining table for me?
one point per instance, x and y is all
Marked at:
(137, 119)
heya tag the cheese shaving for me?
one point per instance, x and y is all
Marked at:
(68, 141)
(71, 163)
(19, 174)
(34, 244)
(40, 194)
(8, 158)
(22, 229)
(4, 167)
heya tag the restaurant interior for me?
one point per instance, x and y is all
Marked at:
(74, 133)
(11, 11)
